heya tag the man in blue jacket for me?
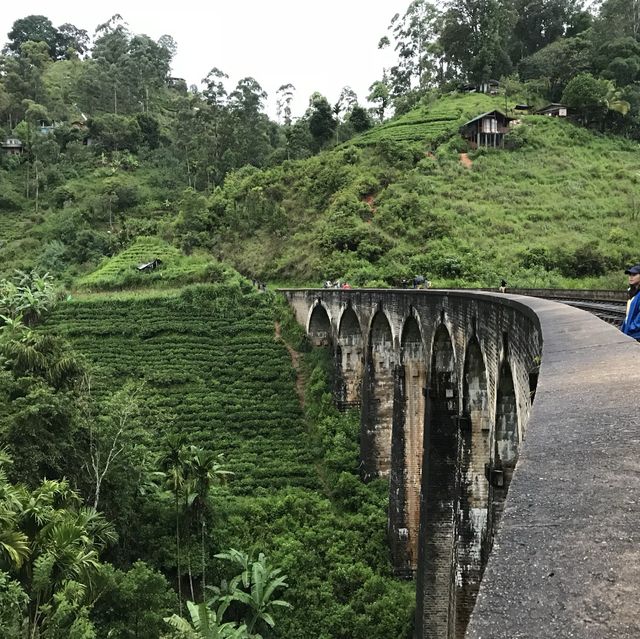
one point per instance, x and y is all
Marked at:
(631, 324)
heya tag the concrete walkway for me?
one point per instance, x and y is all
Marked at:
(566, 560)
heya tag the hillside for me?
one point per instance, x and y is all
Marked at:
(552, 209)
(212, 372)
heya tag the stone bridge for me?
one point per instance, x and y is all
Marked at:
(446, 382)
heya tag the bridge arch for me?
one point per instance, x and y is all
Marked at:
(436, 595)
(377, 398)
(349, 360)
(475, 456)
(407, 447)
(506, 441)
(319, 325)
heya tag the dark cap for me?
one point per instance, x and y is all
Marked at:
(633, 270)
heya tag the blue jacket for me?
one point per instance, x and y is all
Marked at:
(631, 325)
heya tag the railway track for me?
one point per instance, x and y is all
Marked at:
(609, 306)
(607, 311)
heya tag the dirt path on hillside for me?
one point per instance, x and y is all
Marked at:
(465, 160)
(295, 363)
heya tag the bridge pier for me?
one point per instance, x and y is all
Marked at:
(349, 362)
(442, 397)
(406, 452)
(473, 527)
(506, 443)
(377, 400)
(438, 532)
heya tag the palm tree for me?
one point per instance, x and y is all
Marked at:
(262, 580)
(29, 352)
(205, 470)
(14, 544)
(207, 624)
(48, 540)
(174, 471)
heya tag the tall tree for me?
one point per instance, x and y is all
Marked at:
(110, 435)
(474, 39)
(205, 470)
(284, 97)
(557, 63)
(110, 53)
(322, 123)
(33, 28)
(541, 22)
(379, 94)
(72, 42)
(23, 76)
(617, 19)
(593, 97)
(619, 60)
(173, 467)
(359, 119)
(147, 66)
(414, 35)
(250, 123)
(346, 101)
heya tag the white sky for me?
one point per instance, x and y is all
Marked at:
(314, 45)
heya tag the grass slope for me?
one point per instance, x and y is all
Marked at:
(121, 270)
(213, 370)
(431, 124)
(552, 209)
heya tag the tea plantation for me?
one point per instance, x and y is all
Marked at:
(212, 371)
(430, 124)
(175, 268)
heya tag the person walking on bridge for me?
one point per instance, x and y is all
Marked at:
(631, 324)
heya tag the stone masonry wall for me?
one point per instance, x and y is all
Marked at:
(565, 556)
(443, 354)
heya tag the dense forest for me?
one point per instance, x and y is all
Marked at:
(171, 463)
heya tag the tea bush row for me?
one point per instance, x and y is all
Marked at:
(223, 383)
(122, 270)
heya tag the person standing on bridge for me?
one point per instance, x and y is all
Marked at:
(631, 324)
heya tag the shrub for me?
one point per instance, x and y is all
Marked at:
(586, 260)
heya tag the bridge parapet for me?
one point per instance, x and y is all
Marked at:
(446, 382)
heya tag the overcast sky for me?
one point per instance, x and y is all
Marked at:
(316, 46)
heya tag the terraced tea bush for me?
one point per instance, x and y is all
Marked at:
(208, 358)
(121, 271)
(213, 371)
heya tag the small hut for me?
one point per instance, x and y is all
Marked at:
(490, 87)
(150, 266)
(554, 110)
(12, 146)
(46, 127)
(487, 129)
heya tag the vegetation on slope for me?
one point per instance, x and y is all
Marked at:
(533, 212)
(172, 269)
(201, 367)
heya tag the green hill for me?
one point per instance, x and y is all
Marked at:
(212, 371)
(174, 269)
(553, 208)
